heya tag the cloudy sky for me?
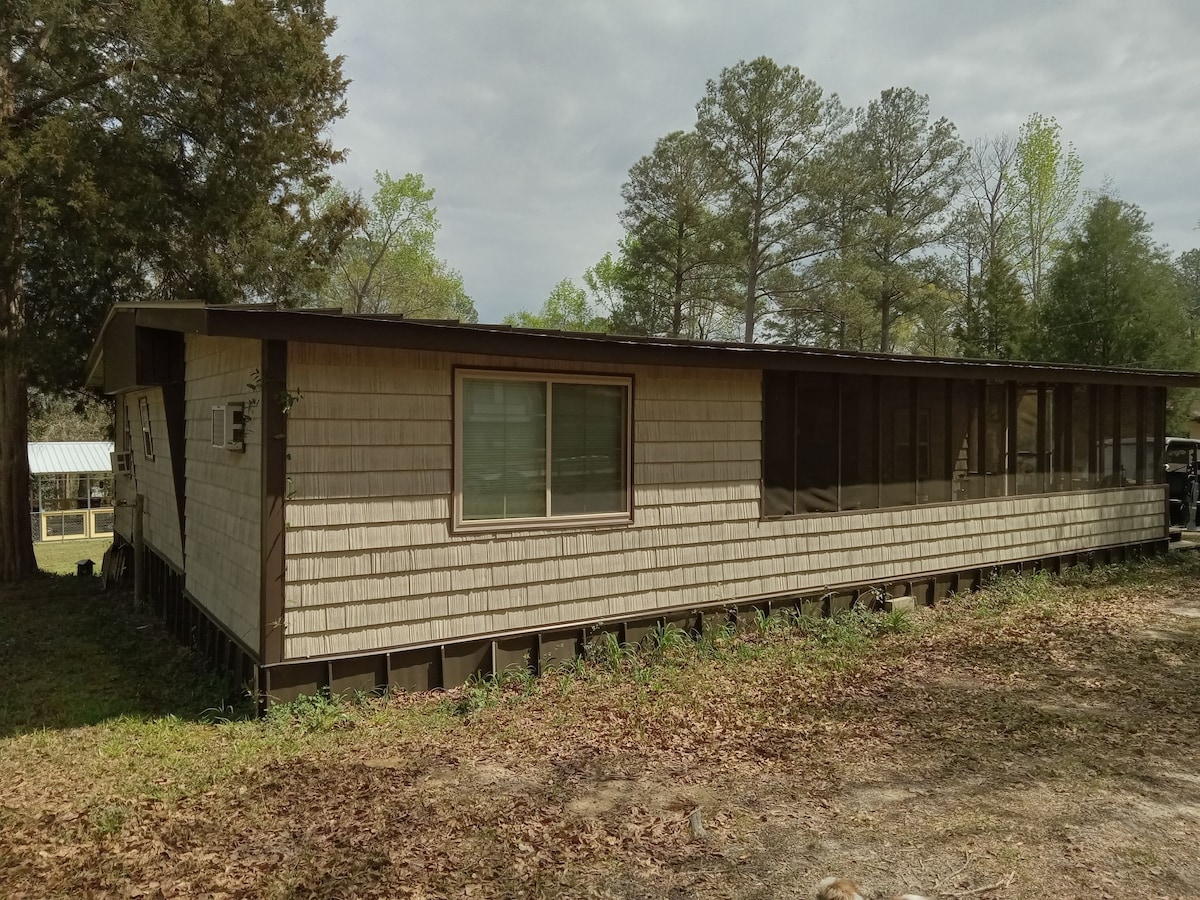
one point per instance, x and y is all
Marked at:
(526, 116)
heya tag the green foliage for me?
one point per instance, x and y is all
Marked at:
(905, 171)
(1014, 590)
(666, 640)
(1047, 176)
(566, 309)
(606, 651)
(1187, 267)
(148, 153)
(389, 263)
(318, 712)
(479, 693)
(996, 325)
(69, 417)
(1114, 298)
(153, 155)
(768, 126)
(896, 621)
(77, 657)
(108, 819)
(677, 257)
(854, 231)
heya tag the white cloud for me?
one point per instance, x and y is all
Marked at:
(526, 116)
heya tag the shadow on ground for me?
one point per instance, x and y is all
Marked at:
(74, 655)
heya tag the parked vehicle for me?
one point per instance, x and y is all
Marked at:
(1182, 456)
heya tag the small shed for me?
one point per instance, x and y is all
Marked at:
(70, 489)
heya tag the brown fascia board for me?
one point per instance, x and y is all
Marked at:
(266, 322)
(314, 326)
(186, 316)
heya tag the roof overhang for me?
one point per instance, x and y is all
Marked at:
(109, 365)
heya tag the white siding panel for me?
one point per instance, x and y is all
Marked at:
(224, 505)
(152, 478)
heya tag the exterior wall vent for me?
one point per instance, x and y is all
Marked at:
(122, 462)
(229, 426)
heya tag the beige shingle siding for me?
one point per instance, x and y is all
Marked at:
(372, 563)
(224, 495)
(124, 488)
(152, 478)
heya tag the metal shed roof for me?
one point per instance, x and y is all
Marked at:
(73, 457)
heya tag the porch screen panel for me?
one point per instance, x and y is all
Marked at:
(1106, 438)
(859, 442)
(587, 443)
(1156, 416)
(816, 443)
(800, 443)
(1061, 422)
(1131, 440)
(779, 444)
(899, 442)
(1082, 448)
(934, 468)
(995, 438)
(1028, 477)
(964, 440)
(504, 449)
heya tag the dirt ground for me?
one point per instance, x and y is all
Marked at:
(1043, 744)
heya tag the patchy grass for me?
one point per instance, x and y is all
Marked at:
(74, 656)
(61, 557)
(1036, 739)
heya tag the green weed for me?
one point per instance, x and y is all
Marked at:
(607, 652)
(318, 712)
(716, 633)
(897, 621)
(477, 694)
(666, 640)
(517, 677)
(108, 819)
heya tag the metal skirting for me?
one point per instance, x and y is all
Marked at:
(191, 624)
(452, 664)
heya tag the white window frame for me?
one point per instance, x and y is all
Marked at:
(624, 516)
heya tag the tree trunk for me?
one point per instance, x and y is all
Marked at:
(885, 321)
(751, 296)
(754, 259)
(16, 537)
(17, 561)
(677, 299)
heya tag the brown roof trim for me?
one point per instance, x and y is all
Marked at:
(333, 327)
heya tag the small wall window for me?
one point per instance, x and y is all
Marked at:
(535, 449)
(147, 434)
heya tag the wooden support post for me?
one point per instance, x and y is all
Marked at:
(139, 552)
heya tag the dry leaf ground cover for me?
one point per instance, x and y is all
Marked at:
(1038, 739)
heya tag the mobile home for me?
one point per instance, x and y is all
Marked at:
(349, 502)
